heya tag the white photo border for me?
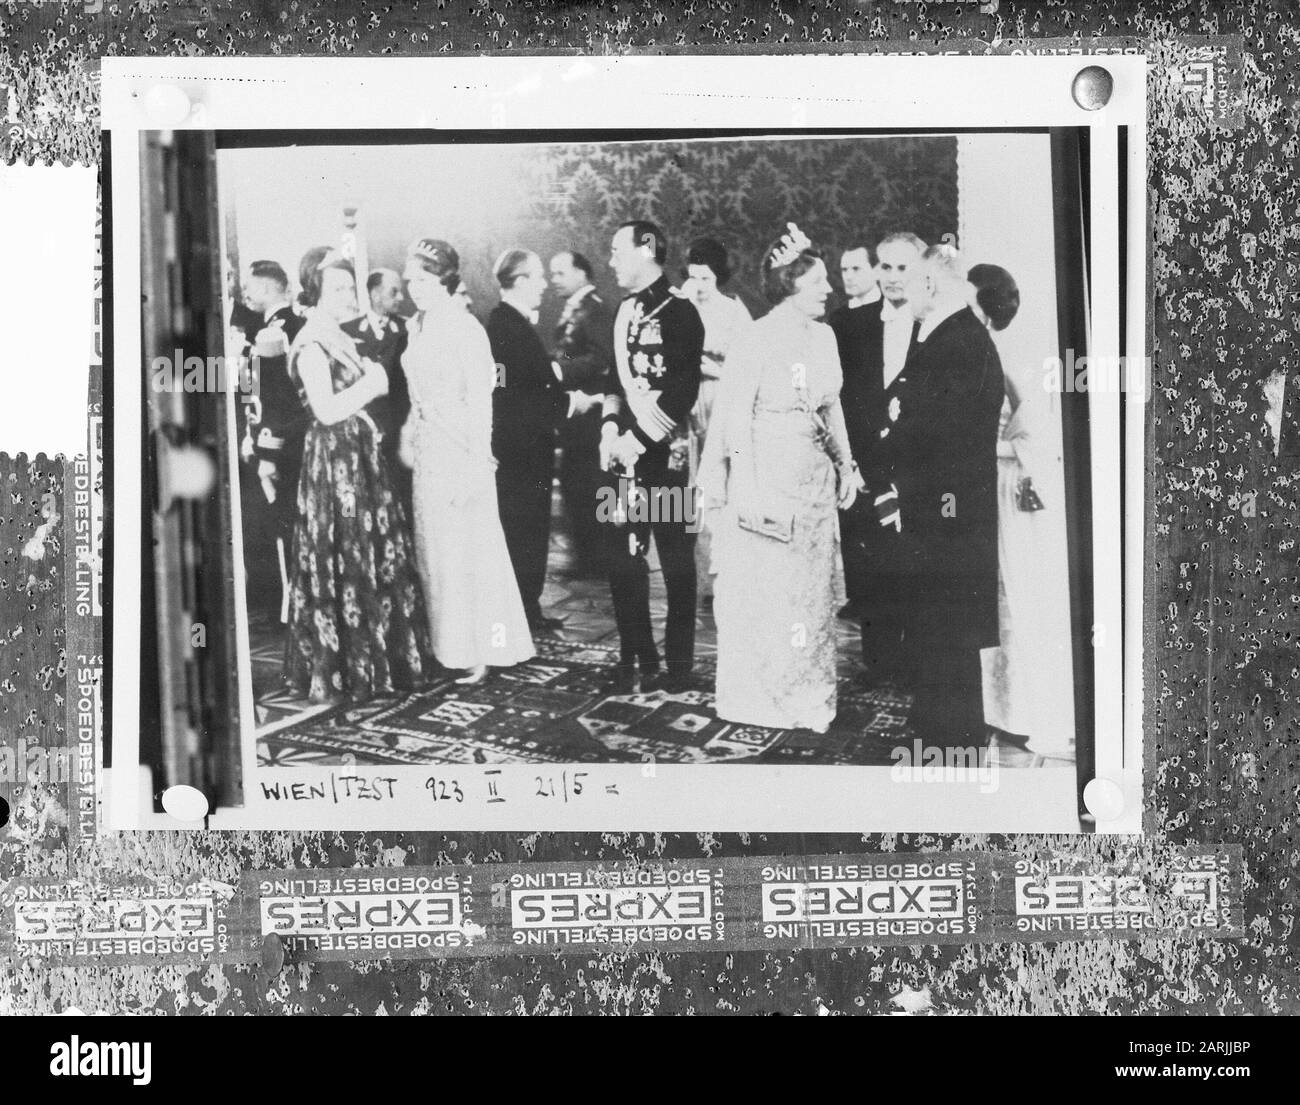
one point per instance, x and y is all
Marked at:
(663, 94)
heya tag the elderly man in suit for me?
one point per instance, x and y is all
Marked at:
(944, 446)
(528, 404)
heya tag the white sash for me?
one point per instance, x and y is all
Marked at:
(644, 404)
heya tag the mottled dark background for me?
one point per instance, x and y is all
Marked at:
(1223, 587)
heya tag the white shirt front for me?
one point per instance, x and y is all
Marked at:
(897, 338)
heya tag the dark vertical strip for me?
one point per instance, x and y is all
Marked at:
(1071, 199)
(208, 574)
(106, 406)
(152, 218)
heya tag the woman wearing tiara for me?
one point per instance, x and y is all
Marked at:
(476, 617)
(356, 621)
(776, 466)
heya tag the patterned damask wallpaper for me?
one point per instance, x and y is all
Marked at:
(485, 199)
(841, 192)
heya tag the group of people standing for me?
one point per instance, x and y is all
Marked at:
(409, 464)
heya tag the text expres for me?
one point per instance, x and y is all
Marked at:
(362, 913)
(888, 900)
(602, 905)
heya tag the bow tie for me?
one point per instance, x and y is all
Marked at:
(378, 325)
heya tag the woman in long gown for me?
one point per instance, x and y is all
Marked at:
(476, 617)
(776, 467)
(356, 620)
(1027, 678)
(708, 271)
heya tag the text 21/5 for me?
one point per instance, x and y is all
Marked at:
(569, 785)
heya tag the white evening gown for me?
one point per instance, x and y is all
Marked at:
(475, 613)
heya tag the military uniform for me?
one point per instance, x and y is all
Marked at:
(658, 344)
(277, 424)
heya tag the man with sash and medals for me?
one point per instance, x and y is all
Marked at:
(658, 345)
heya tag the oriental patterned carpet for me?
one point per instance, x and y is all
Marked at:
(552, 708)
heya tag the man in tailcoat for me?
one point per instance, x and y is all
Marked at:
(874, 335)
(528, 404)
(944, 446)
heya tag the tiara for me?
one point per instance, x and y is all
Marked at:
(432, 248)
(793, 242)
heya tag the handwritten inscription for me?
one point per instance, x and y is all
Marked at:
(491, 787)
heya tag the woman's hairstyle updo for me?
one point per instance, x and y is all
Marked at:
(311, 272)
(996, 293)
(779, 280)
(437, 257)
(512, 265)
(713, 254)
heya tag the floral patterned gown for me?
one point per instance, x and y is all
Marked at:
(774, 600)
(356, 615)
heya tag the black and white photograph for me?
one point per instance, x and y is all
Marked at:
(746, 448)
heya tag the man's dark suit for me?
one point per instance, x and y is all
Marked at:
(870, 551)
(945, 451)
(658, 343)
(527, 405)
(584, 350)
(383, 340)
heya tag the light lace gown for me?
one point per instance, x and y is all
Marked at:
(723, 318)
(475, 613)
(774, 601)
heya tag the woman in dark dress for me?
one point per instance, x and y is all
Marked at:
(356, 618)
